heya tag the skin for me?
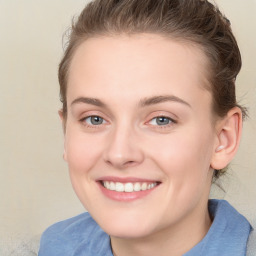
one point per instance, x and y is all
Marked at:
(122, 73)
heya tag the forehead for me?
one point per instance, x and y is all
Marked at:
(145, 63)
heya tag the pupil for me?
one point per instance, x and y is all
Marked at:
(96, 120)
(162, 121)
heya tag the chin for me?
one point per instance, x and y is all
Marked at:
(126, 227)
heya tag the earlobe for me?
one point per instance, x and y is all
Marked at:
(219, 148)
(229, 135)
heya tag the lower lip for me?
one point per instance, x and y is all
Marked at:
(125, 196)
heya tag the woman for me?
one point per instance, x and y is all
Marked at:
(150, 118)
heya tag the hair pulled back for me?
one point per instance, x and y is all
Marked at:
(198, 22)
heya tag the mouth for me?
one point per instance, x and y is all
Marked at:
(128, 187)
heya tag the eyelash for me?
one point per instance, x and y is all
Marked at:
(91, 125)
(170, 120)
(155, 125)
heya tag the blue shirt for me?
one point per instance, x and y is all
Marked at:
(82, 236)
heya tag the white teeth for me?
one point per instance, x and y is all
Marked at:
(136, 186)
(144, 186)
(107, 185)
(128, 187)
(112, 186)
(119, 187)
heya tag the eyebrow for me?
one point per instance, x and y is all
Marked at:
(91, 101)
(159, 99)
(143, 103)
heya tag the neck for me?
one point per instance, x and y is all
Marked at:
(177, 239)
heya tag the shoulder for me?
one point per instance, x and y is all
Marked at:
(75, 225)
(224, 213)
(251, 247)
(230, 229)
(71, 236)
(228, 234)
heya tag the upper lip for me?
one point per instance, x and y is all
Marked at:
(125, 179)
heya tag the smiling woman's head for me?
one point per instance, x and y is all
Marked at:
(149, 113)
(149, 110)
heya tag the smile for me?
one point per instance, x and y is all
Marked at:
(129, 186)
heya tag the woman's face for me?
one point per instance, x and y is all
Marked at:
(139, 120)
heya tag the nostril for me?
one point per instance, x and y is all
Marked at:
(108, 162)
(121, 164)
(129, 163)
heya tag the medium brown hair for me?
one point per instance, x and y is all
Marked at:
(193, 21)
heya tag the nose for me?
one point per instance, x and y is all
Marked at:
(123, 149)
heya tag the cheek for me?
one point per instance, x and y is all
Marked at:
(185, 158)
(82, 151)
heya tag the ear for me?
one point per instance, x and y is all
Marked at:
(63, 121)
(229, 131)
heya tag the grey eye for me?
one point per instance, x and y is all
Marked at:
(94, 120)
(162, 120)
